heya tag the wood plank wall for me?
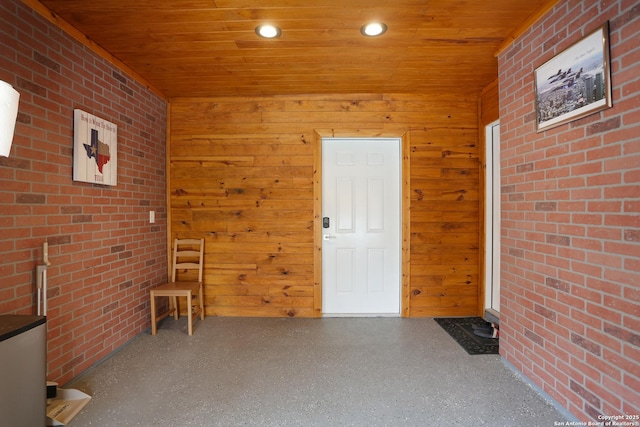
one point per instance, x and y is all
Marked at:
(241, 175)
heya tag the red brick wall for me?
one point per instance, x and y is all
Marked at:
(570, 318)
(104, 252)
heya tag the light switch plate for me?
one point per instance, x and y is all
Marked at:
(152, 217)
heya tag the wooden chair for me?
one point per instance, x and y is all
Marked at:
(188, 256)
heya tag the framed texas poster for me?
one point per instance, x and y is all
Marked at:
(95, 149)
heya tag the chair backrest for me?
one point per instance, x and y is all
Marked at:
(188, 254)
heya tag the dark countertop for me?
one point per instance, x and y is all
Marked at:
(14, 324)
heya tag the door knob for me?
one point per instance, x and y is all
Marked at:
(328, 237)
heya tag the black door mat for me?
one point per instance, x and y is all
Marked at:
(461, 330)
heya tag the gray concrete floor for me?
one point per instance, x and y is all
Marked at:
(306, 372)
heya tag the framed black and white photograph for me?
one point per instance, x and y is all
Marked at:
(574, 83)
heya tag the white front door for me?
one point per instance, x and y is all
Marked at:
(492, 218)
(361, 208)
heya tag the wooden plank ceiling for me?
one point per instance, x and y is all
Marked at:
(209, 48)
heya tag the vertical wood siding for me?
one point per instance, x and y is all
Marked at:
(241, 175)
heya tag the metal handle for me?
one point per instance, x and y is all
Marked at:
(328, 237)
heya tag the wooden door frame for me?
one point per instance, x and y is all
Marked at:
(319, 134)
(488, 112)
(488, 186)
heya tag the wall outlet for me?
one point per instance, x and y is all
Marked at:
(152, 217)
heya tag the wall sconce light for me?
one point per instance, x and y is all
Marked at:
(9, 98)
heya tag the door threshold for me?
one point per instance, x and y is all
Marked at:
(360, 314)
(492, 316)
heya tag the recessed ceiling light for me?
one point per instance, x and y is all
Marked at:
(373, 29)
(268, 31)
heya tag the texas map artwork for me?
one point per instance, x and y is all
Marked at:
(95, 149)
